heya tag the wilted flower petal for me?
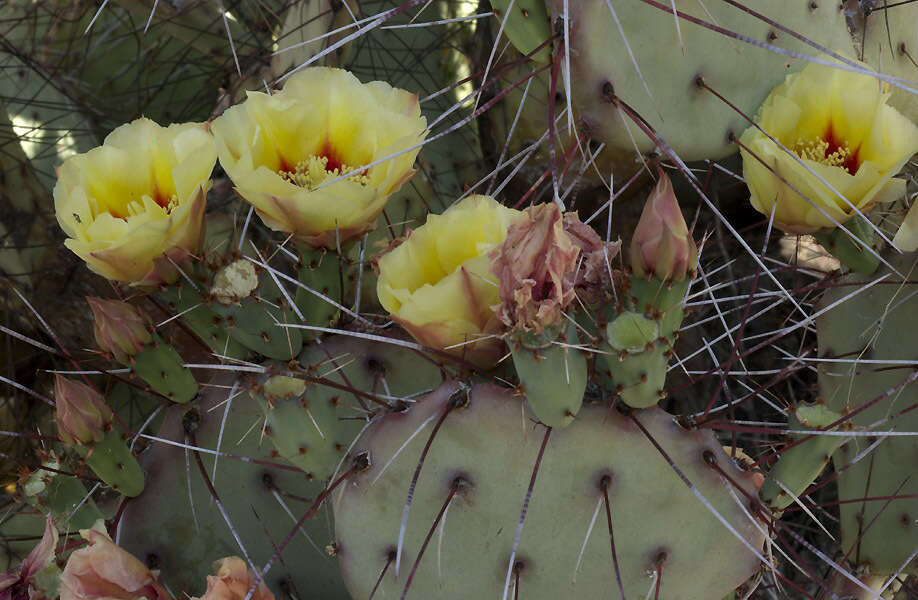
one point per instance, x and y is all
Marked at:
(103, 570)
(232, 582)
(535, 267)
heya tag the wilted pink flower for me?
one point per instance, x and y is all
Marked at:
(82, 415)
(595, 274)
(232, 582)
(15, 584)
(662, 246)
(535, 267)
(120, 328)
(103, 570)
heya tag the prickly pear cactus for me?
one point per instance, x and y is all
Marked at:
(308, 299)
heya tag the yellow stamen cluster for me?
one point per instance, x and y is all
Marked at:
(816, 150)
(313, 172)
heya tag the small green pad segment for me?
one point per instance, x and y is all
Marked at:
(64, 496)
(162, 368)
(662, 301)
(527, 26)
(320, 272)
(636, 359)
(654, 513)
(798, 467)
(554, 379)
(114, 463)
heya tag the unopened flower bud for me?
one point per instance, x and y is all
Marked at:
(82, 415)
(662, 246)
(120, 328)
(232, 582)
(535, 267)
(103, 570)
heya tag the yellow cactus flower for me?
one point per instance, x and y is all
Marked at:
(137, 199)
(280, 149)
(839, 124)
(438, 284)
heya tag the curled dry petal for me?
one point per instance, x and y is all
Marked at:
(15, 584)
(103, 570)
(535, 267)
(81, 413)
(595, 275)
(232, 581)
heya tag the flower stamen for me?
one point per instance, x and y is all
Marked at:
(314, 171)
(819, 151)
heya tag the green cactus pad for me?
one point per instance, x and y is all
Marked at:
(691, 119)
(321, 272)
(183, 532)
(527, 26)
(114, 463)
(891, 46)
(313, 425)
(485, 446)
(553, 379)
(203, 322)
(876, 325)
(162, 368)
(253, 322)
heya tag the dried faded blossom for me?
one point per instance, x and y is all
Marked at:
(103, 570)
(595, 276)
(232, 582)
(535, 268)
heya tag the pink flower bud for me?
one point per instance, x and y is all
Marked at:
(82, 415)
(120, 328)
(103, 570)
(232, 582)
(535, 267)
(662, 246)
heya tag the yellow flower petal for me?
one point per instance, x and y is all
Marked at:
(438, 284)
(836, 123)
(270, 146)
(138, 197)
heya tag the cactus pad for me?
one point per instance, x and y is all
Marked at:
(490, 450)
